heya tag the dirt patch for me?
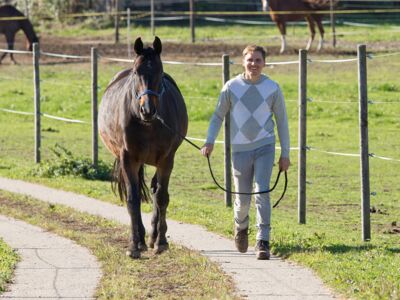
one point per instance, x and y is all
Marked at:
(393, 228)
(210, 51)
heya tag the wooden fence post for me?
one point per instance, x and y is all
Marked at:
(116, 22)
(94, 108)
(128, 31)
(36, 84)
(227, 137)
(302, 136)
(192, 18)
(364, 155)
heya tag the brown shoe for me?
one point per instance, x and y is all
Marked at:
(241, 240)
(262, 250)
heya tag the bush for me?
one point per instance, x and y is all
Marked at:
(66, 164)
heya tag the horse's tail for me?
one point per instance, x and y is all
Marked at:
(118, 183)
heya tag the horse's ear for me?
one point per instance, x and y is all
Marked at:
(157, 45)
(138, 46)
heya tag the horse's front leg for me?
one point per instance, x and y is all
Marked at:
(155, 216)
(129, 172)
(158, 237)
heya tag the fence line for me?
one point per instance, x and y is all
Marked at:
(302, 62)
(141, 14)
(214, 64)
(309, 148)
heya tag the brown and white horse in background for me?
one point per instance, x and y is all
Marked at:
(282, 11)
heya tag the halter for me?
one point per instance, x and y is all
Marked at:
(150, 92)
(147, 92)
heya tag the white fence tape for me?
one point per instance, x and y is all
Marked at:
(44, 115)
(16, 111)
(64, 55)
(15, 51)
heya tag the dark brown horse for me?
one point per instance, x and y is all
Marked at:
(129, 124)
(9, 27)
(297, 10)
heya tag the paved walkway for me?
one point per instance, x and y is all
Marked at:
(273, 279)
(51, 267)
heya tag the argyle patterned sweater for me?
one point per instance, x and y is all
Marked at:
(251, 107)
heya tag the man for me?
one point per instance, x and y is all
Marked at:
(252, 99)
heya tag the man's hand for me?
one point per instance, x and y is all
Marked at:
(284, 163)
(207, 149)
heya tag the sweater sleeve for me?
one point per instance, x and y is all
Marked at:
(279, 110)
(221, 110)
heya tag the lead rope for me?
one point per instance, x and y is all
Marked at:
(215, 180)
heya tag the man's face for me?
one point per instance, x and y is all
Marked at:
(253, 63)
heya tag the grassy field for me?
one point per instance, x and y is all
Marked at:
(330, 243)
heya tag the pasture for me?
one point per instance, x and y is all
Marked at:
(330, 243)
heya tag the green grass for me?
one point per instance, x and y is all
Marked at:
(177, 274)
(330, 243)
(8, 260)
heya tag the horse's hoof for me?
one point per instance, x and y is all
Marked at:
(142, 247)
(161, 248)
(135, 254)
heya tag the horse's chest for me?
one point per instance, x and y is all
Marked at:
(148, 145)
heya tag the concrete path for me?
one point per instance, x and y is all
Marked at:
(273, 279)
(51, 267)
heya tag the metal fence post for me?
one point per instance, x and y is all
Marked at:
(364, 155)
(333, 24)
(36, 84)
(94, 108)
(192, 18)
(152, 17)
(227, 137)
(302, 136)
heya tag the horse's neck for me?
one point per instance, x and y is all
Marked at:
(27, 27)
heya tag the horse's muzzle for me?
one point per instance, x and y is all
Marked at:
(148, 114)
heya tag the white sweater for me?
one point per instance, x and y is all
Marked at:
(251, 107)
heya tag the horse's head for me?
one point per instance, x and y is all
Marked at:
(29, 44)
(148, 72)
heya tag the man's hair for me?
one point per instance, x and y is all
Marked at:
(253, 48)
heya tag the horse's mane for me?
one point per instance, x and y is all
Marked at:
(170, 79)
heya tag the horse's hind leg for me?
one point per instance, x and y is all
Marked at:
(282, 29)
(318, 20)
(311, 26)
(2, 56)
